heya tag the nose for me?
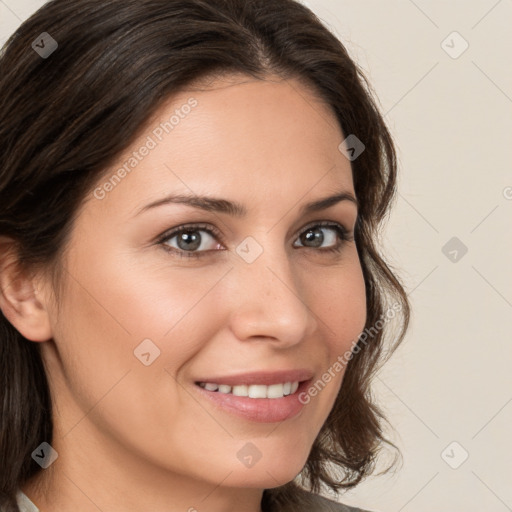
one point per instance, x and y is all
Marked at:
(269, 301)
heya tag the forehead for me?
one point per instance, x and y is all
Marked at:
(254, 140)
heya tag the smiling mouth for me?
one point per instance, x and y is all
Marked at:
(253, 390)
(267, 403)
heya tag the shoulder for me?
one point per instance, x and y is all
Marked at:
(316, 503)
(325, 504)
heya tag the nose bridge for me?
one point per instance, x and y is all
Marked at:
(269, 299)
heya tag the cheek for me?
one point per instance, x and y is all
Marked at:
(340, 302)
(107, 308)
(341, 305)
(125, 296)
(104, 317)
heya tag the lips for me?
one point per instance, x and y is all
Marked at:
(262, 410)
(265, 377)
(275, 407)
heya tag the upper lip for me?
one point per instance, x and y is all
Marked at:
(266, 378)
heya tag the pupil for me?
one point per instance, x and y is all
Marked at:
(317, 237)
(188, 237)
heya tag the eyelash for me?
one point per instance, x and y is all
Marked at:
(342, 232)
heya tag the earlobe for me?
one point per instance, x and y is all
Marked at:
(19, 300)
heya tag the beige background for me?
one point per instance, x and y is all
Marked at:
(451, 116)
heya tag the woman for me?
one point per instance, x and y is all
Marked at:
(193, 304)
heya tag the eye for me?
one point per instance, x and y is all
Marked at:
(190, 243)
(315, 234)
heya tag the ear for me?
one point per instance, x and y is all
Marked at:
(20, 301)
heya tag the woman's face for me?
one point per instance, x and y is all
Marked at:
(144, 313)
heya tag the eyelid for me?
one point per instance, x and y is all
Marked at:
(171, 233)
(348, 233)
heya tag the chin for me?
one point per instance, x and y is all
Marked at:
(266, 476)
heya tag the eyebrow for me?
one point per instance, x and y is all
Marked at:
(233, 208)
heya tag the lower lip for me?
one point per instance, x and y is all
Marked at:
(262, 410)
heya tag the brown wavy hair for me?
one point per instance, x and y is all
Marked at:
(64, 119)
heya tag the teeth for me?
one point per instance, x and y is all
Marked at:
(240, 390)
(260, 391)
(255, 390)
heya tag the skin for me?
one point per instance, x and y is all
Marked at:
(130, 437)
